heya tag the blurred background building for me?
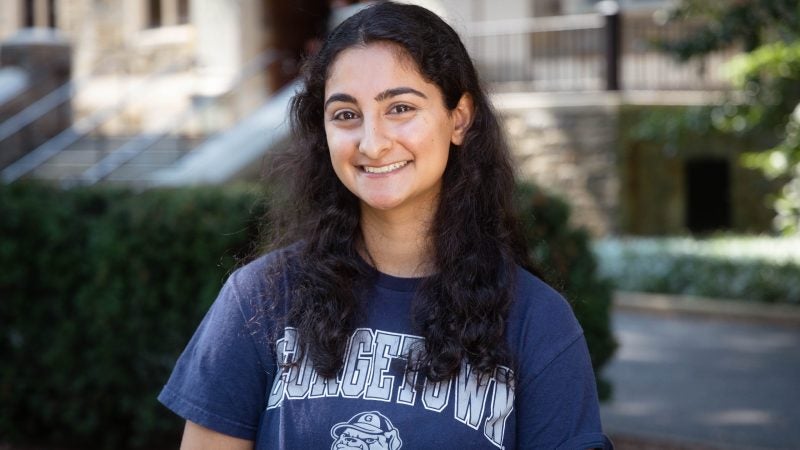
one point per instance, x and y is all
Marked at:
(153, 92)
(147, 93)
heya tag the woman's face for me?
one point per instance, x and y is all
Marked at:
(388, 130)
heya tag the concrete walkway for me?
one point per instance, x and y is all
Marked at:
(701, 381)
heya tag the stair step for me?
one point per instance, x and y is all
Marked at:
(79, 157)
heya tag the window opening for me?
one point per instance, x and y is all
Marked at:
(183, 11)
(51, 13)
(29, 14)
(154, 14)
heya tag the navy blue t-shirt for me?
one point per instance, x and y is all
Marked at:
(228, 378)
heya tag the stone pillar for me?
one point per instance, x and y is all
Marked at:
(218, 42)
(46, 56)
(10, 18)
(229, 36)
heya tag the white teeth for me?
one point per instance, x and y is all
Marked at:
(385, 169)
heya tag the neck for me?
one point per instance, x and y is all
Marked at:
(398, 243)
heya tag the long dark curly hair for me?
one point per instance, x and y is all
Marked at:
(462, 309)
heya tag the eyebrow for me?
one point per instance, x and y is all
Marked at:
(394, 92)
(389, 93)
(339, 98)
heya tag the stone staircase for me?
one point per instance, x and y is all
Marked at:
(70, 164)
(163, 156)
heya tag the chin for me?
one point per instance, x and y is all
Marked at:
(381, 204)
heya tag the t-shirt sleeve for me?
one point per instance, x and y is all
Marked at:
(557, 404)
(560, 409)
(220, 379)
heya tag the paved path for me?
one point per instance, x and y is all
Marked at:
(704, 382)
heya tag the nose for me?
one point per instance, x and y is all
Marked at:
(374, 141)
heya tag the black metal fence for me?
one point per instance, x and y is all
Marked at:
(589, 52)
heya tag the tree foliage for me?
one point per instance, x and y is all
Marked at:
(748, 23)
(766, 79)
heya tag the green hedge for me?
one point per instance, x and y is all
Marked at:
(101, 289)
(761, 269)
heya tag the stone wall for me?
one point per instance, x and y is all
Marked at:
(582, 148)
(567, 143)
(654, 194)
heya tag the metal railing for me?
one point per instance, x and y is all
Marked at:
(36, 110)
(588, 52)
(142, 142)
(647, 68)
(49, 102)
(69, 136)
(551, 54)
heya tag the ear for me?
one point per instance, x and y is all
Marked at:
(462, 118)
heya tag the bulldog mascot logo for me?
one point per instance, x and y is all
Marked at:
(366, 431)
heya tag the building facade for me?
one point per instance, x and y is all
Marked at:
(178, 51)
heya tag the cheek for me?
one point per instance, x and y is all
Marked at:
(428, 135)
(340, 159)
(330, 138)
(340, 145)
(339, 164)
(335, 151)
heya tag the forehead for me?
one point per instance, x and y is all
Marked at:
(373, 68)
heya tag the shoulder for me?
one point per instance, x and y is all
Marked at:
(280, 263)
(541, 323)
(264, 279)
(538, 301)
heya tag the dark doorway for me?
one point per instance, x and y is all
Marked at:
(708, 195)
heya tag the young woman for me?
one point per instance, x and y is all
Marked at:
(401, 315)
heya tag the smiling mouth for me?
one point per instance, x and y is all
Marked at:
(385, 169)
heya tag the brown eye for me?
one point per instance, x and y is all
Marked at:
(344, 115)
(401, 108)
